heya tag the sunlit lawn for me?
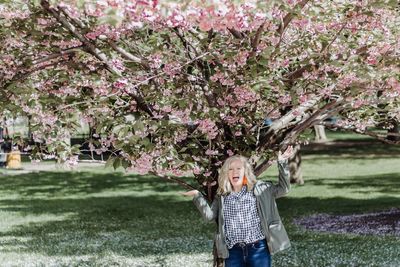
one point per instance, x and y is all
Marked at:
(97, 217)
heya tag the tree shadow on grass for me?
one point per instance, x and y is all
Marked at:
(53, 184)
(141, 226)
(382, 183)
(351, 149)
(128, 226)
(79, 213)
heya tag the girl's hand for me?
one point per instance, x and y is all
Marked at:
(190, 193)
(286, 155)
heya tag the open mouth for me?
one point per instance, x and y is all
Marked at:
(235, 178)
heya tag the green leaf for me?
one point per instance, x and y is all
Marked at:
(125, 163)
(110, 162)
(138, 126)
(117, 163)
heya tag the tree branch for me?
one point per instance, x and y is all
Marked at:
(67, 51)
(236, 34)
(256, 40)
(262, 167)
(312, 120)
(285, 22)
(91, 48)
(287, 118)
(175, 180)
(288, 18)
(24, 75)
(125, 54)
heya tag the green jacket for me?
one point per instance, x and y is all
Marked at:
(271, 223)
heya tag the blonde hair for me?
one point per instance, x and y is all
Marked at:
(224, 185)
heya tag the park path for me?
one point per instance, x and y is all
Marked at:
(28, 167)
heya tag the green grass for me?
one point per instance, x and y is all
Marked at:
(96, 217)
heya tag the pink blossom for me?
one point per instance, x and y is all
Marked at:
(180, 136)
(143, 164)
(155, 61)
(207, 174)
(319, 28)
(66, 90)
(177, 172)
(166, 109)
(210, 152)
(347, 79)
(300, 23)
(92, 35)
(303, 98)
(149, 15)
(72, 161)
(241, 97)
(226, 81)
(118, 64)
(48, 119)
(285, 63)
(121, 83)
(296, 112)
(43, 22)
(241, 58)
(172, 68)
(231, 120)
(285, 99)
(230, 152)
(384, 49)
(217, 76)
(205, 24)
(372, 60)
(327, 91)
(209, 128)
(238, 133)
(67, 44)
(221, 102)
(393, 83)
(176, 20)
(196, 170)
(182, 116)
(358, 103)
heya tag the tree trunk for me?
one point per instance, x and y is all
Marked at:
(30, 135)
(320, 135)
(394, 133)
(296, 175)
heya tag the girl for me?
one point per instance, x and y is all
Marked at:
(249, 227)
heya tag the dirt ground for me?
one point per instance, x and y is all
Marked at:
(378, 223)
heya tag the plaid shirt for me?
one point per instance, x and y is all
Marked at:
(242, 222)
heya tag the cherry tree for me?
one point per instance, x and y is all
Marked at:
(176, 87)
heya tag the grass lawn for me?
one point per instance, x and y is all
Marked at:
(97, 217)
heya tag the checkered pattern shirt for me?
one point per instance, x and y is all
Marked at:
(242, 222)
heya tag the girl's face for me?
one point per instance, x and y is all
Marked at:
(235, 174)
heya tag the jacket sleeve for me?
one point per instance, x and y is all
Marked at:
(208, 213)
(283, 186)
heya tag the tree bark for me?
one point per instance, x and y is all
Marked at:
(320, 135)
(394, 133)
(296, 175)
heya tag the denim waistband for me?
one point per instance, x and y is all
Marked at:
(244, 244)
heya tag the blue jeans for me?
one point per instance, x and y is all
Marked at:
(249, 255)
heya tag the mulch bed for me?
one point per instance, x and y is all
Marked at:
(378, 223)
